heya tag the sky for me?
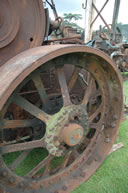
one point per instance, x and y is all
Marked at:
(75, 6)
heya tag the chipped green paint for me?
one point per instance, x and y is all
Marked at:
(54, 126)
(58, 122)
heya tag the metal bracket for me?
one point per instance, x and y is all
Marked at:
(99, 12)
(84, 5)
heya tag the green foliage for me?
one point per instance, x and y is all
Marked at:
(124, 29)
(70, 16)
(70, 20)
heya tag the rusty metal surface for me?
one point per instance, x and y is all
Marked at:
(22, 26)
(100, 114)
(72, 134)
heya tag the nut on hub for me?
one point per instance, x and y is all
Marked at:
(72, 134)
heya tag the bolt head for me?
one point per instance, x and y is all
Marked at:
(57, 143)
(51, 182)
(82, 174)
(107, 140)
(53, 152)
(4, 173)
(64, 188)
(52, 129)
(115, 117)
(113, 125)
(21, 185)
(12, 180)
(71, 118)
(49, 136)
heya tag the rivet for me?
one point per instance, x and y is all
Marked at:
(84, 158)
(49, 136)
(105, 114)
(64, 113)
(77, 165)
(51, 182)
(53, 151)
(51, 129)
(113, 125)
(107, 140)
(115, 117)
(4, 173)
(12, 180)
(49, 147)
(21, 185)
(112, 78)
(71, 118)
(57, 143)
(96, 70)
(64, 188)
(82, 174)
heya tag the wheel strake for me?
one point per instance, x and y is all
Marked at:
(64, 104)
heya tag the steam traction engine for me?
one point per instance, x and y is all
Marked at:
(60, 105)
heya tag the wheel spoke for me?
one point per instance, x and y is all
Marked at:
(95, 114)
(40, 88)
(95, 125)
(22, 146)
(47, 168)
(88, 92)
(73, 79)
(64, 87)
(66, 159)
(18, 123)
(63, 165)
(75, 154)
(39, 166)
(18, 161)
(98, 93)
(32, 109)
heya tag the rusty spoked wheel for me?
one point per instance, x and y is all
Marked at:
(60, 113)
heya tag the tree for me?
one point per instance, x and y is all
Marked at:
(124, 29)
(70, 20)
(70, 16)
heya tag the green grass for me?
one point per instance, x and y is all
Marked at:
(112, 176)
(126, 91)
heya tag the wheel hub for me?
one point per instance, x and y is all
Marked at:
(66, 127)
(72, 134)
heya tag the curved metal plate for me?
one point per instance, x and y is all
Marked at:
(22, 26)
